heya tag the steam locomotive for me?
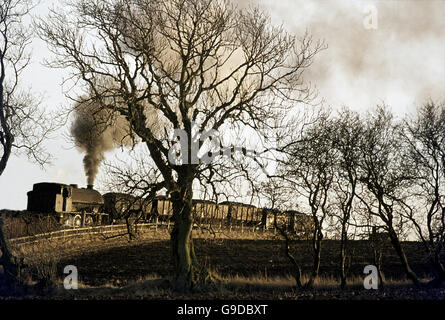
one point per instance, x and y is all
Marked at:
(72, 206)
(76, 207)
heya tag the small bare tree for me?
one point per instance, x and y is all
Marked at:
(387, 179)
(23, 125)
(133, 183)
(277, 196)
(424, 137)
(310, 167)
(347, 135)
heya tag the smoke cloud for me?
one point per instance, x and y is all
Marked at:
(95, 131)
(399, 63)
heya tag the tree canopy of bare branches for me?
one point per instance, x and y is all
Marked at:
(23, 124)
(201, 65)
(347, 137)
(424, 138)
(310, 168)
(387, 178)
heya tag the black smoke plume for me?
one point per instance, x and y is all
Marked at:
(97, 130)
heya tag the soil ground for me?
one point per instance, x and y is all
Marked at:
(250, 267)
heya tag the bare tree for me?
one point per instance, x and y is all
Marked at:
(348, 132)
(287, 250)
(387, 179)
(201, 65)
(424, 137)
(23, 125)
(277, 197)
(310, 168)
(134, 186)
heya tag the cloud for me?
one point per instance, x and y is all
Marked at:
(399, 62)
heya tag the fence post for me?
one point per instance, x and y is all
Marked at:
(242, 227)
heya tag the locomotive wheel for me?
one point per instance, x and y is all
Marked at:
(77, 221)
(89, 221)
(68, 222)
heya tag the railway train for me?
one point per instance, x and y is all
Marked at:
(76, 207)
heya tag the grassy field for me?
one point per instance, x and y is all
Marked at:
(247, 266)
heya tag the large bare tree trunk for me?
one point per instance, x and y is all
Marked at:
(181, 239)
(7, 139)
(4, 161)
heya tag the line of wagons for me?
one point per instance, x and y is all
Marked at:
(77, 207)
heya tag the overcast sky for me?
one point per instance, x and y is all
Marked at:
(388, 51)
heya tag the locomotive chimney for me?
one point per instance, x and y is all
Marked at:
(90, 186)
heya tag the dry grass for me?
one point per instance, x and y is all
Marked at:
(236, 287)
(288, 282)
(147, 287)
